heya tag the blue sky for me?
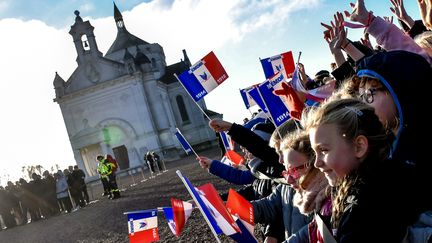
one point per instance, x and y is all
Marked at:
(35, 44)
(58, 13)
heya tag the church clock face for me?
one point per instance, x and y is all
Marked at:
(92, 73)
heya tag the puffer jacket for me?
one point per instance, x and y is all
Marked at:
(391, 38)
(281, 200)
(407, 76)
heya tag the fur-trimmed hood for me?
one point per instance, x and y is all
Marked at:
(408, 77)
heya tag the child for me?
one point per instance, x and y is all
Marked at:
(312, 189)
(352, 148)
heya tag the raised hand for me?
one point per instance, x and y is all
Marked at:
(423, 8)
(219, 125)
(335, 34)
(366, 41)
(388, 19)
(398, 9)
(301, 68)
(359, 13)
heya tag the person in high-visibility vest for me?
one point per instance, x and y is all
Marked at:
(106, 169)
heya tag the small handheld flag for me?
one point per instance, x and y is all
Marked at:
(255, 95)
(203, 76)
(184, 143)
(239, 206)
(214, 203)
(169, 216)
(143, 226)
(177, 215)
(318, 94)
(242, 211)
(277, 108)
(247, 99)
(182, 211)
(234, 157)
(226, 140)
(283, 62)
(201, 206)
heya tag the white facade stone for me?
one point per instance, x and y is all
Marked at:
(115, 105)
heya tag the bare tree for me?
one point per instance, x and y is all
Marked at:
(39, 168)
(30, 170)
(23, 170)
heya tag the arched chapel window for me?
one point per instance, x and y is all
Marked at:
(182, 108)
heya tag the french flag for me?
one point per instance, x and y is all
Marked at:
(283, 62)
(177, 215)
(182, 211)
(276, 106)
(203, 76)
(214, 211)
(169, 216)
(226, 140)
(208, 216)
(318, 94)
(183, 142)
(214, 203)
(253, 92)
(232, 157)
(242, 211)
(143, 226)
(247, 99)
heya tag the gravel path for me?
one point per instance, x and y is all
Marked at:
(103, 220)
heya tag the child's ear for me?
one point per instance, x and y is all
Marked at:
(361, 144)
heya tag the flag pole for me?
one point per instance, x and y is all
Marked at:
(187, 142)
(175, 75)
(249, 106)
(266, 106)
(198, 205)
(141, 211)
(298, 59)
(295, 121)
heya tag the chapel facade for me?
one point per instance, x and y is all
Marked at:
(127, 101)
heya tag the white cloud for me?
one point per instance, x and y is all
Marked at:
(4, 5)
(87, 7)
(253, 15)
(199, 25)
(32, 126)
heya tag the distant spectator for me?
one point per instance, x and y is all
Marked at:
(107, 169)
(150, 162)
(158, 161)
(81, 176)
(62, 192)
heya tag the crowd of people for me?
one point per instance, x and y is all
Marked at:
(24, 202)
(355, 160)
(65, 191)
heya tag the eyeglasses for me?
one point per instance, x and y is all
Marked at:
(294, 173)
(368, 94)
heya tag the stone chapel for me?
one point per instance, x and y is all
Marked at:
(127, 101)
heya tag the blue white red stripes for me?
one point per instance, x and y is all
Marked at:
(143, 226)
(279, 63)
(203, 76)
